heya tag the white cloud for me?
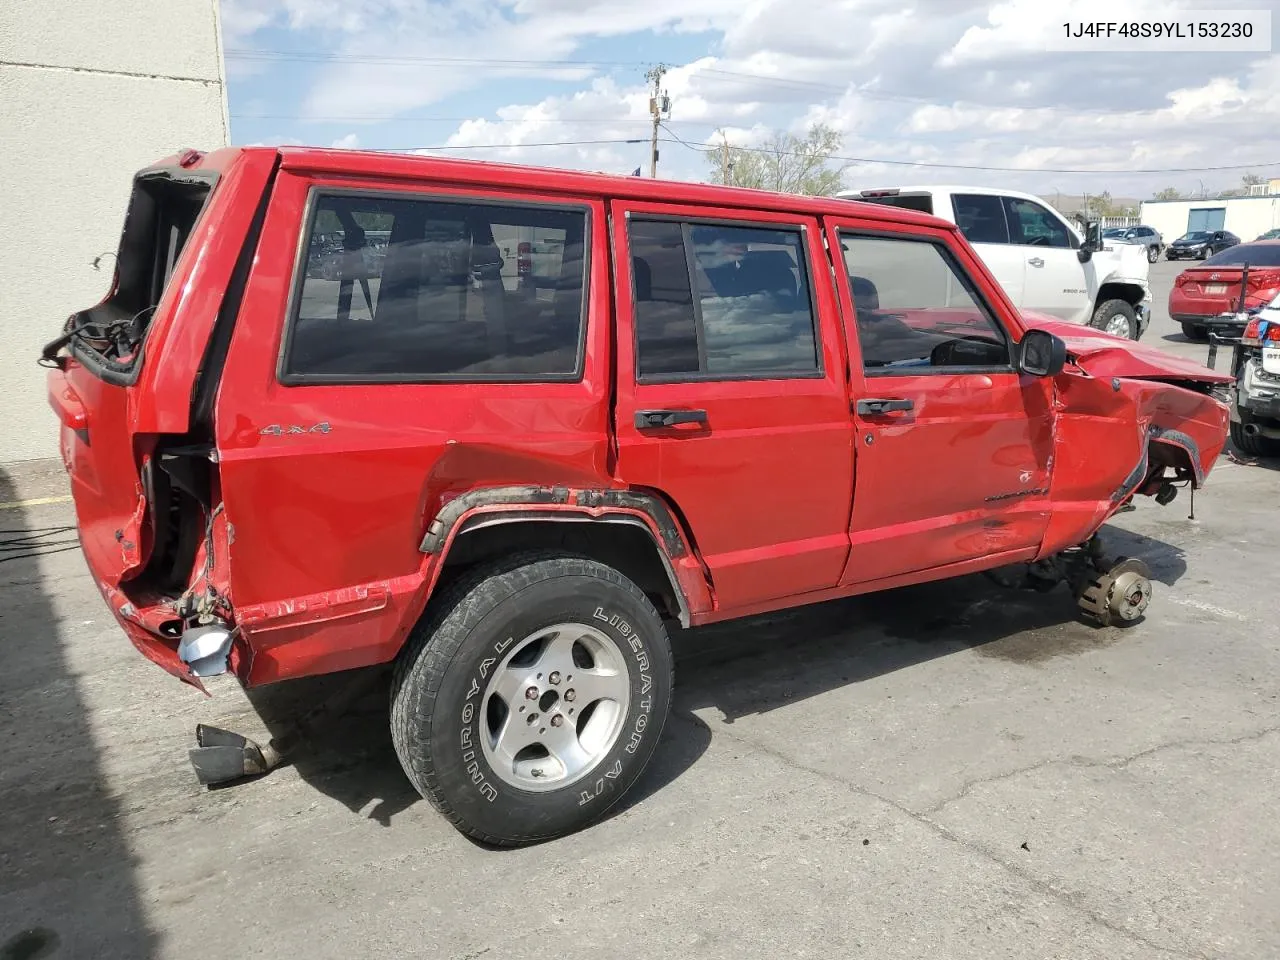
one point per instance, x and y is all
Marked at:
(349, 142)
(930, 81)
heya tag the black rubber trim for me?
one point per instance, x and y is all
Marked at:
(210, 373)
(533, 496)
(1179, 439)
(1135, 477)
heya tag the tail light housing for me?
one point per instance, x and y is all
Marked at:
(1264, 279)
(1258, 331)
(524, 262)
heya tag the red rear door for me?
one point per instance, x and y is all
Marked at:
(731, 395)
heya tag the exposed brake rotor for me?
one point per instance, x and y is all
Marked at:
(1119, 596)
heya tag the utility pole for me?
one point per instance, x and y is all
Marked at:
(659, 107)
(726, 164)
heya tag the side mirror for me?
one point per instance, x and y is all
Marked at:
(1041, 354)
(1092, 241)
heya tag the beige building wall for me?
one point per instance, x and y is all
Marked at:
(90, 91)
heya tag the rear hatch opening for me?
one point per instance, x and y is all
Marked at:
(144, 502)
(162, 212)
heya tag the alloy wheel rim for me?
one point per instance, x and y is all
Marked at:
(554, 707)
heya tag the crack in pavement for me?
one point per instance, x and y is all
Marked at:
(1114, 763)
(1059, 896)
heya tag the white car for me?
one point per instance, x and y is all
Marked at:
(1037, 255)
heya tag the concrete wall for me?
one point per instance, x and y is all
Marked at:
(1247, 217)
(89, 92)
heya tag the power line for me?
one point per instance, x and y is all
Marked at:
(406, 60)
(504, 146)
(969, 166)
(285, 56)
(391, 116)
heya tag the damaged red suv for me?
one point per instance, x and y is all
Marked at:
(502, 426)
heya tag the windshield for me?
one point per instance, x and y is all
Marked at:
(1114, 232)
(1254, 254)
(1197, 235)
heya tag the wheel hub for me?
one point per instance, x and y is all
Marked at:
(555, 706)
(1121, 595)
(1118, 325)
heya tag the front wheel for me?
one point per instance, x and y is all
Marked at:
(1153, 254)
(1116, 317)
(532, 697)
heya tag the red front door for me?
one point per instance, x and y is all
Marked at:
(732, 398)
(954, 447)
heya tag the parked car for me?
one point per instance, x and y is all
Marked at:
(731, 404)
(1254, 398)
(1146, 237)
(1037, 256)
(1206, 297)
(1270, 235)
(1199, 244)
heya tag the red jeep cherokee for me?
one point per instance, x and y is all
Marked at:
(500, 425)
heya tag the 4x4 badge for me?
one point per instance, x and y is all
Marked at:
(294, 429)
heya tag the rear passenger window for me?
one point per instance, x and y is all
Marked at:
(980, 217)
(416, 290)
(721, 302)
(1032, 225)
(916, 311)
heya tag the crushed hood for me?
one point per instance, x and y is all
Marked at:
(1103, 355)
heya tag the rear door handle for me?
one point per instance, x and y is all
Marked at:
(877, 407)
(657, 419)
(1036, 262)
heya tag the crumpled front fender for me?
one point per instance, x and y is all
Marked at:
(1114, 437)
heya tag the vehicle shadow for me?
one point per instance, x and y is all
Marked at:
(746, 667)
(68, 879)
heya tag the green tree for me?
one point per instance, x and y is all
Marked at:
(1251, 179)
(1168, 193)
(783, 162)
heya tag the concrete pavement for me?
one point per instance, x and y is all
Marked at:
(948, 771)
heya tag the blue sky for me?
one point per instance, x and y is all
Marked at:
(930, 81)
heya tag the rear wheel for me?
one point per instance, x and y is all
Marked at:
(1193, 331)
(1116, 317)
(1253, 446)
(532, 697)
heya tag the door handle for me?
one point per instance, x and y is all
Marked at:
(657, 419)
(876, 407)
(1036, 262)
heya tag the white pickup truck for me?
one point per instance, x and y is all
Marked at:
(1042, 262)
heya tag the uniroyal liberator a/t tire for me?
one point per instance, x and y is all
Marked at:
(531, 697)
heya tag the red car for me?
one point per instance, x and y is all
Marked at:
(1207, 296)
(507, 468)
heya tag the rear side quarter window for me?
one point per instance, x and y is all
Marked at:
(414, 289)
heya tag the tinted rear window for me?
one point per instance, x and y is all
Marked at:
(1256, 255)
(981, 217)
(921, 202)
(398, 289)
